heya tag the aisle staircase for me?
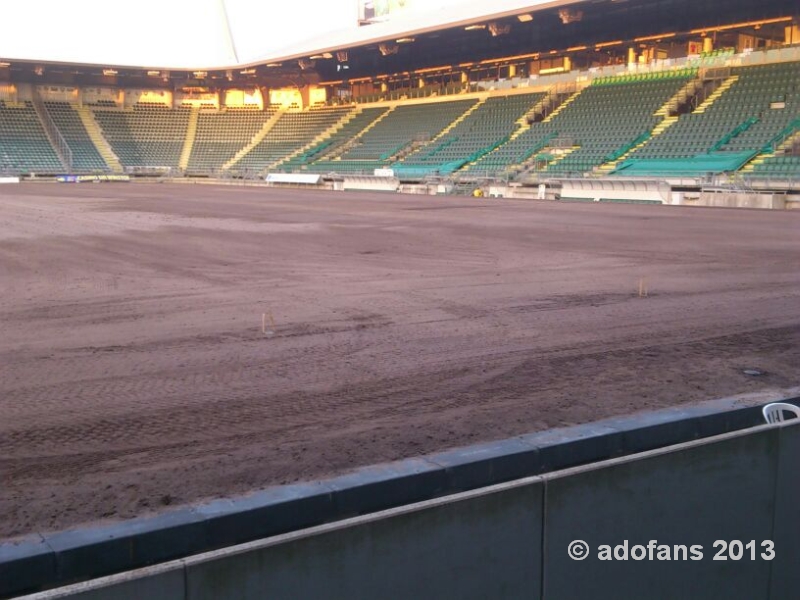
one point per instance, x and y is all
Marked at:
(324, 135)
(256, 139)
(723, 87)
(609, 166)
(562, 106)
(188, 143)
(761, 157)
(338, 152)
(99, 141)
(458, 120)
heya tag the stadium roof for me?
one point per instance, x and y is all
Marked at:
(216, 34)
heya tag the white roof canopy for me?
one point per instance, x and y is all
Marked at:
(214, 34)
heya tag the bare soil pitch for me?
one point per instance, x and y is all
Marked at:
(134, 373)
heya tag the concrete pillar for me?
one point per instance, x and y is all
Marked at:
(305, 93)
(791, 34)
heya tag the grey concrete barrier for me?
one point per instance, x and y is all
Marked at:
(512, 540)
(26, 564)
(56, 559)
(693, 496)
(480, 545)
(785, 582)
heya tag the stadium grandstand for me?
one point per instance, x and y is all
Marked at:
(516, 92)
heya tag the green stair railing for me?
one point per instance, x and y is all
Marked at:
(627, 147)
(738, 130)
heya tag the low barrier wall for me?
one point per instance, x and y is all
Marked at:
(56, 559)
(742, 200)
(514, 540)
(299, 179)
(370, 183)
(620, 190)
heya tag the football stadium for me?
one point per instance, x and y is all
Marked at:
(400, 299)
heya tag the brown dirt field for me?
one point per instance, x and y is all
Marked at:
(134, 372)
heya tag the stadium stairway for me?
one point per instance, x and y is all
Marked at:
(255, 141)
(556, 156)
(550, 101)
(324, 135)
(723, 87)
(337, 154)
(562, 106)
(188, 142)
(609, 166)
(398, 134)
(482, 129)
(681, 98)
(294, 130)
(85, 157)
(458, 120)
(96, 136)
(768, 156)
(52, 132)
(521, 125)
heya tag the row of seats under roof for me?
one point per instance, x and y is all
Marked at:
(85, 157)
(147, 136)
(335, 143)
(752, 96)
(291, 132)
(603, 120)
(403, 126)
(24, 145)
(607, 120)
(221, 134)
(490, 124)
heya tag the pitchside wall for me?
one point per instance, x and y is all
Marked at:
(511, 540)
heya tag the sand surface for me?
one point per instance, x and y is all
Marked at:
(134, 371)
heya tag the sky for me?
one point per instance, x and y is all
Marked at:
(193, 33)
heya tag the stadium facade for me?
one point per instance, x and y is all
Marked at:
(521, 94)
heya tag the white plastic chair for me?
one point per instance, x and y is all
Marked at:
(776, 412)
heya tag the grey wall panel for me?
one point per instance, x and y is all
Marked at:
(379, 487)
(25, 564)
(98, 551)
(571, 446)
(704, 492)
(487, 464)
(270, 512)
(486, 546)
(786, 566)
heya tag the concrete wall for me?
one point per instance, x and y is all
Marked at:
(51, 559)
(742, 200)
(721, 490)
(511, 540)
(631, 190)
(370, 183)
